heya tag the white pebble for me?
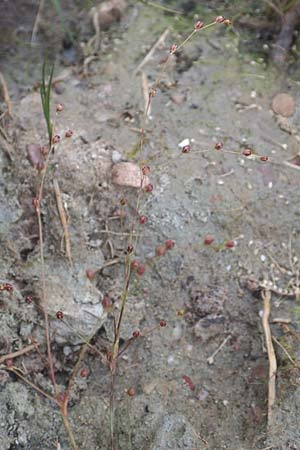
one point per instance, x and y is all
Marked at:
(116, 156)
(171, 360)
(184, 143)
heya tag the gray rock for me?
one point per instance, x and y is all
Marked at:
(71, 292)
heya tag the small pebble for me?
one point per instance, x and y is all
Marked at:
(116, 156)
(184, 143)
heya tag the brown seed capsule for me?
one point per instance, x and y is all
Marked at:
(130, 248)
(84, 372)
(208, 239)
(230, 244)
(146, 170)
(219, 19)
(123, 201)
(219, 145)
(198, 25)
(29, 299)
(148, 188)
(131, 392)
(186, 149)
(227, 22)
(59, 315)
(264, 158)
(69, 133)
(143, 220)
(173, 48)
(247, 152)
(55, 139)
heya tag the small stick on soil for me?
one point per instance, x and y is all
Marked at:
(211, 359)
(63, 220)
(147, 110)
(37, 22)
(281, 320)
(18, 352)
(266, 295)
(286, 352)
(5, 94)
(149, 55)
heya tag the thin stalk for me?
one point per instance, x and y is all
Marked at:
(112, 408)
(69, 430)
(115, 349)
(36, 388)
(43, 275)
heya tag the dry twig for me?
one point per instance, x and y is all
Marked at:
(20, 352)
(5, 94)
(149, 55)
(266, 295)
(145, 86)
(63, 220)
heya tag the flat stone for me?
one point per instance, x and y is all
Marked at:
(283, 104)
(128, 174)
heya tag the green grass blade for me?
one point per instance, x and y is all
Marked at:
(45, 92)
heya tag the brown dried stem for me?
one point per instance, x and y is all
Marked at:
(63, 219)
(266, 295)
(20, 352)
(5, 94)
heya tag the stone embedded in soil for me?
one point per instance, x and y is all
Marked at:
(128, 174)
(71, 292)
(107, 13)
(283, 104)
